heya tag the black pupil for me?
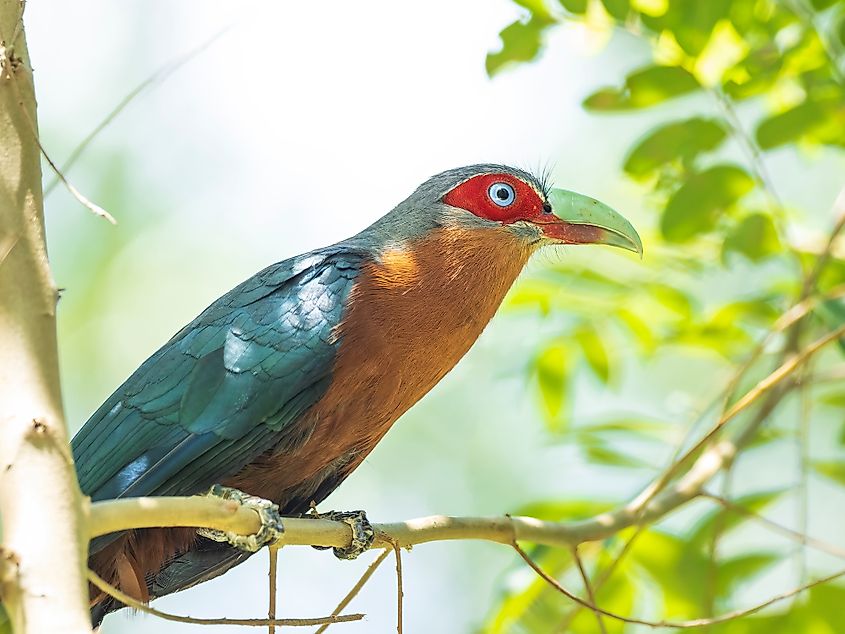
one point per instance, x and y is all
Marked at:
(502, 193)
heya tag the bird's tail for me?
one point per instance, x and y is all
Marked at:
(122, 564)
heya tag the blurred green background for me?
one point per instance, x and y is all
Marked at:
(716, 126)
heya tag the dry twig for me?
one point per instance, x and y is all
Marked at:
(133, 603)
(357, 587)
(681, 625)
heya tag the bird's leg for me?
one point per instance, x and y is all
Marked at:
(363, 533)
(271, 522)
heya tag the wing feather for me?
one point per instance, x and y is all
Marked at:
(223, 389)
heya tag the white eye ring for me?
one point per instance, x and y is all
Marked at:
(502, 194)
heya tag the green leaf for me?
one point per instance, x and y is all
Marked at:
(690, 22)
(727, 520)
(601, 453)
(640, 330)
(671, 298)
(832, 313)
(694, 208)
(560, 510)
(537, 9)
(643, 88)
(825, 603)
(679, 570)
(833, 470)
(528, 607)
(755, 237)
(737, 570)
(594, 351)
(833, 399)
(617, 8)
(820, 5)
(634, 426)
(758, 311)
(756, 74)
(682, 140)
(840, 30)
(575, 6)
(521, 42)
(552, 366)
(814, 120)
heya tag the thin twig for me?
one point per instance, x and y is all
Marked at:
(157, 77)
(824, 257)
(718, 531)
(681, 625)
(95, 209)
(273, 553)
(604, 576)
(803, 470)
(357, 587)
(790, 317)
(830, 44)
(794, 535)
(133, 603)
(763, 387)
(749, 145)
(588, 588)
(400, 594)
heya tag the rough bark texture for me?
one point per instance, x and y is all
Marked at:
(43, 554)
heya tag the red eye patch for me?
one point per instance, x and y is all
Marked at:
(474, 195)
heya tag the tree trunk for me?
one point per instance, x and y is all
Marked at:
(43, 556)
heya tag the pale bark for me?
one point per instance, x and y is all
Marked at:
(42, 574)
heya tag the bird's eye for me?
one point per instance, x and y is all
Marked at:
(502, 194)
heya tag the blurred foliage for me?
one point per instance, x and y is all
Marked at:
(778, 64)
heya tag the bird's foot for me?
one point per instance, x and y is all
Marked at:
(363, 533)
(271, 522)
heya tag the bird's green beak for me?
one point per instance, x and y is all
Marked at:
(588, 221)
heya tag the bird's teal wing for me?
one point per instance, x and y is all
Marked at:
(221, 391)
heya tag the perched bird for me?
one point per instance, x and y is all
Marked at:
(282, 386)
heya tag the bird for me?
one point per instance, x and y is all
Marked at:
(282, 386)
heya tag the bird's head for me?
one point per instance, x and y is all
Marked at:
(508, 199)
(500, 196)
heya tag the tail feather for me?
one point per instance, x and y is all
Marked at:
(123, 563)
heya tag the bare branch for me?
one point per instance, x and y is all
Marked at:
(10, 74)
(42, 579)
(588, 588)
(273, 552)
(133, 603)
(115, 515)
(766, 385)
(159, 76)
(797, 536)
(681, 625)
(400, 594)
(357, 587)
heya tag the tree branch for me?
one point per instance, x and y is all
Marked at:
(133, 603)
(655, 502)
(357, 587)
(680, 625)
(43, 582)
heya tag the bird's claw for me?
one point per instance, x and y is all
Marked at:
(271, 522)
(363, 533)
